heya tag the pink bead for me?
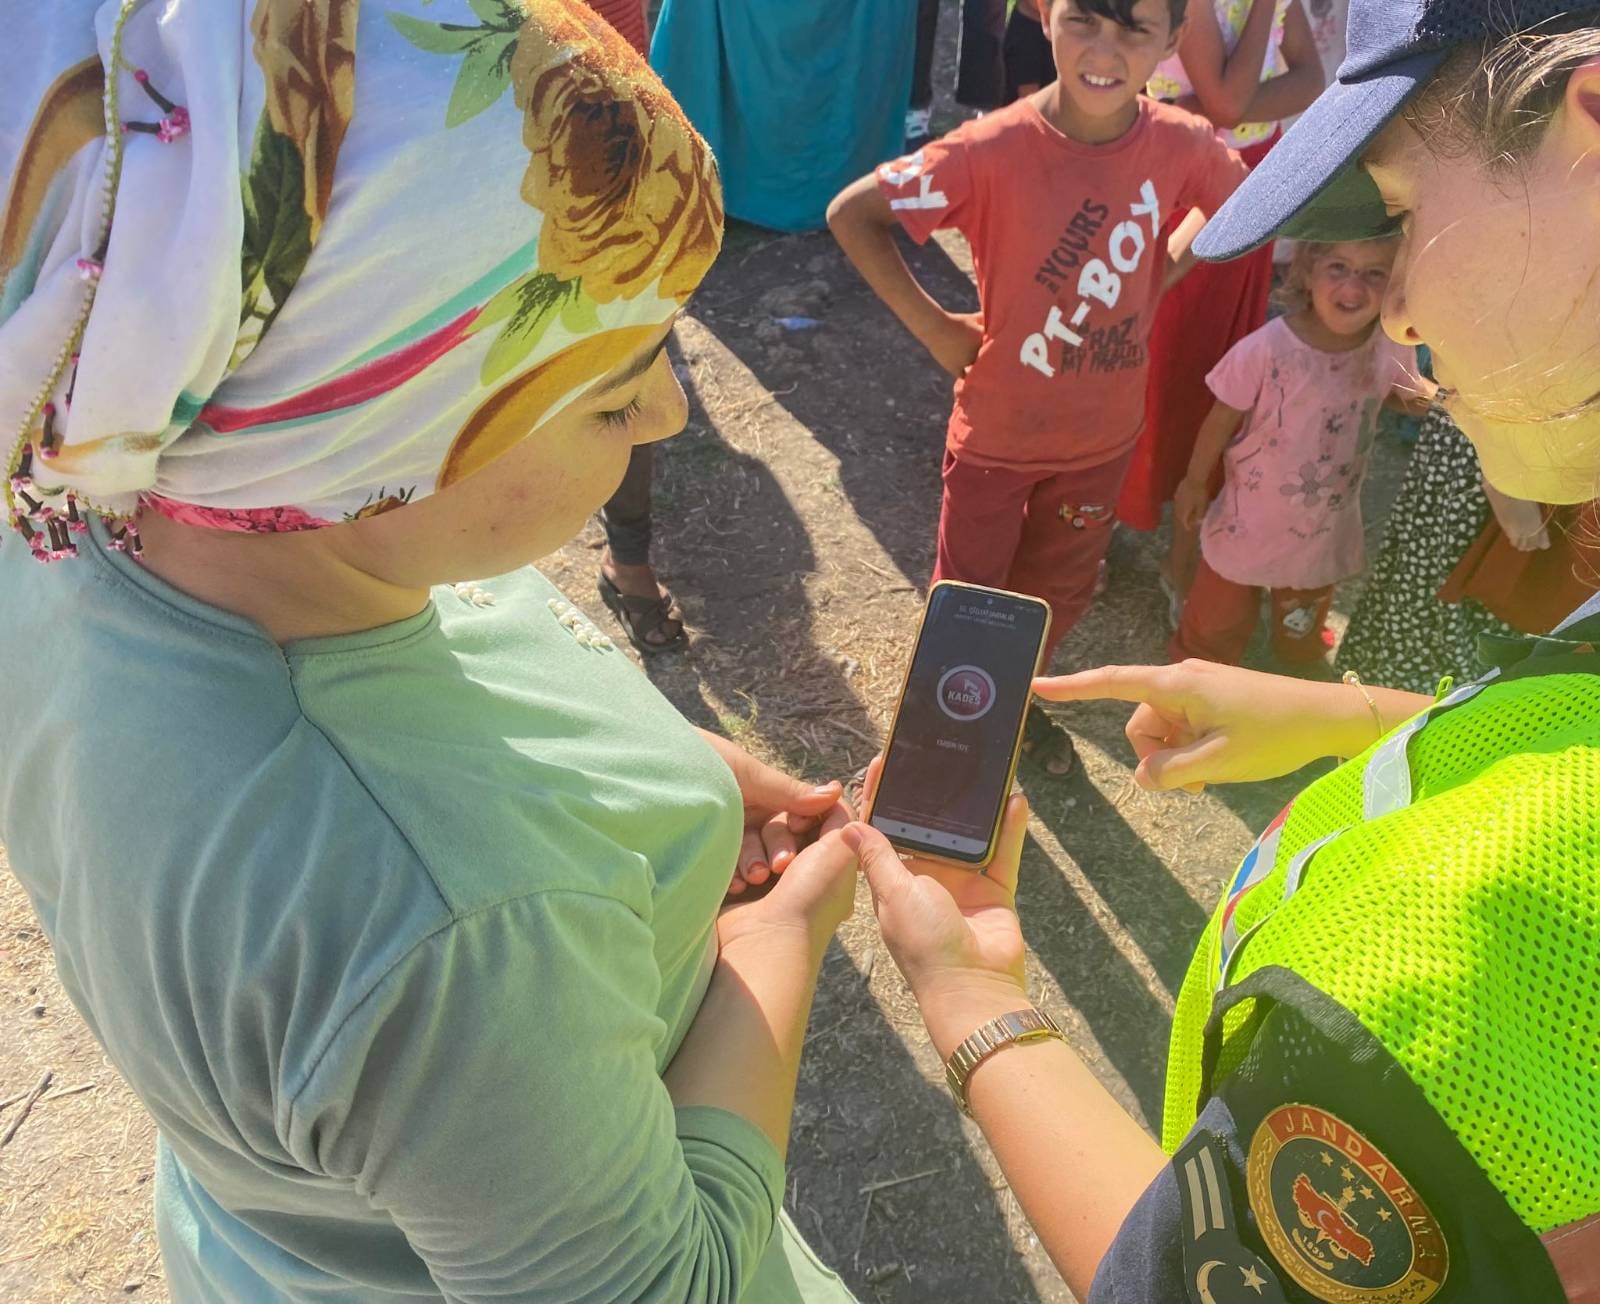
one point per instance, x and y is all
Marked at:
(90, 269)
(174, 127)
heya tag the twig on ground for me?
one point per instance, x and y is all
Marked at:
(877, 570)
(64, 1092)
(851, 729)
(887, 1182)
(27, 1106)
(829, 1030)
(18, 1258)
(861, 1236)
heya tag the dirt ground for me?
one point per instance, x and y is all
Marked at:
(796, 521)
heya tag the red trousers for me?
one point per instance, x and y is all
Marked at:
(1219, 617)
(1042, 533)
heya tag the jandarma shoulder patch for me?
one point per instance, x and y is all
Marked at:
(1340, 1218)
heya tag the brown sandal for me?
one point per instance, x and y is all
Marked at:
(642, 617)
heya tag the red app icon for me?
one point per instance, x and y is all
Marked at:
(965, 693)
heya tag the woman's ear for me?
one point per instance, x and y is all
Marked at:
(1579, 123)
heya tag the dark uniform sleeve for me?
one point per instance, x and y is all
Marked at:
(1182, 1239)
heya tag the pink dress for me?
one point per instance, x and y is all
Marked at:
(1289, 514)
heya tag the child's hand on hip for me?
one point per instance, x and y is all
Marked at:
(954, 340)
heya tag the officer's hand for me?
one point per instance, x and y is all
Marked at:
(1198, 723)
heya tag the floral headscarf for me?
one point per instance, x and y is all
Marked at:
(276, 264)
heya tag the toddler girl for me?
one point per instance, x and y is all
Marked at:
(1294, 423)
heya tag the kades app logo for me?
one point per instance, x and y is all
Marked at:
(966, 693)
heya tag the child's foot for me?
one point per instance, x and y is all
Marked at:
(919, 128)
(1047, 745)
(647, 612)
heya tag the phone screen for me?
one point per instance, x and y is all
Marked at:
(949, 766)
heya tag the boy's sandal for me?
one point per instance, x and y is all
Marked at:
(1046, 745)
(642, 617)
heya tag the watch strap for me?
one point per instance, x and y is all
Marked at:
(1017, 1028)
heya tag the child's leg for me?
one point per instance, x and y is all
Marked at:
(1218, 618)
(1064, 538)
(1300, 624)
(980, 521)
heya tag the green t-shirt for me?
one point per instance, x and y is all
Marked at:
(393, 934)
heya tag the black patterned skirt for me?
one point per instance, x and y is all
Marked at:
(1401, 635)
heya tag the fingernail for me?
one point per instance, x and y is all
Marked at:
(853, 835)
(826, 789)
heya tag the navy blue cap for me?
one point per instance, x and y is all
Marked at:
(1311, 185)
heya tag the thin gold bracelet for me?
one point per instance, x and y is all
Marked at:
(1354, 680)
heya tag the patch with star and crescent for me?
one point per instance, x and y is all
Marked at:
(1218, 1268)
(1340, 1218)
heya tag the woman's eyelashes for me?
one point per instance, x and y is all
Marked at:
(623, 415)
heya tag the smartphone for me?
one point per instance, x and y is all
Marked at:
(957, 731)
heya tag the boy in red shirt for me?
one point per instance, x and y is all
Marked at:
(1061, 197)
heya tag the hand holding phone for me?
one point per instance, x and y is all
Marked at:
(957, 731)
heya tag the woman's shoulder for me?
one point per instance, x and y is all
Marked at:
(519, 749)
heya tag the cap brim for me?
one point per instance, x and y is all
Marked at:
(1311, 186)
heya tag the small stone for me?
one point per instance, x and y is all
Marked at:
(38, 1010)
(132, 1284)
(881, 1274)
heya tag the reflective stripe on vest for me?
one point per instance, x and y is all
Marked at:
(1386, 781)
(1291, 884)
(1385, 788)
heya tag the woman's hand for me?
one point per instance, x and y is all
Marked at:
(953, 932)
(806, 905)
(1199, 723)
(781, 814)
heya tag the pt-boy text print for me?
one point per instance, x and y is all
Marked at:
(1085, 271)
(1099, 281)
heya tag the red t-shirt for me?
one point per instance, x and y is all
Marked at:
(1065, 244)
(627, 16)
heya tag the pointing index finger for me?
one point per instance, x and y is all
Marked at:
(1107, 683)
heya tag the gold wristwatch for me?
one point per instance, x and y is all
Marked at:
(1015, 1029)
